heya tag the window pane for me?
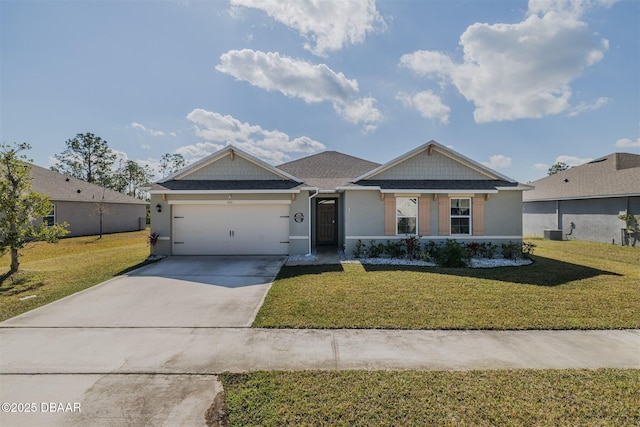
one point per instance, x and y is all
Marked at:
(407, 206)
(406, 226)
(460, 207)
(459, 225)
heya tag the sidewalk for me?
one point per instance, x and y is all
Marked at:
(215, 350)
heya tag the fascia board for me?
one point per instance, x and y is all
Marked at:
(292, 191)
(431, 191)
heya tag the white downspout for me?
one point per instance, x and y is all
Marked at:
(311, 197)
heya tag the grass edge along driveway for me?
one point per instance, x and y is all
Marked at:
(49, 272)
(570, 285)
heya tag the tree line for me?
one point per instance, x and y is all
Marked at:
(89, 158)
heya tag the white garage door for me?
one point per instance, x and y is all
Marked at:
(230, 229)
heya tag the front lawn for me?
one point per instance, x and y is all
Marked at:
(49, 272)
(603, 397)
(570, 285)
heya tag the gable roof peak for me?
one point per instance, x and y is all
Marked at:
(431, 146)
(229, 150)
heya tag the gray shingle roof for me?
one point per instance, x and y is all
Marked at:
(328, 170)
(617, 174)
(59, 187)
(202, 185)
(438, 184)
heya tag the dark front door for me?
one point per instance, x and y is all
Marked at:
(326, 231)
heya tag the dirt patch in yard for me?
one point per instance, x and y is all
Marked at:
(216, 415)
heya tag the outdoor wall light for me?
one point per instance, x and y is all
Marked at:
(159, 207)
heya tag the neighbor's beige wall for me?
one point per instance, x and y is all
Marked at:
(84, 218)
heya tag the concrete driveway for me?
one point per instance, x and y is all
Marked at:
(121, 321)
(175, 292)
(145, 349)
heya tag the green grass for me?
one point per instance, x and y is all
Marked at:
(570, 285)
(53, 271)
(604, 397)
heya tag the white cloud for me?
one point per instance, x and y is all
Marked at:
(327, 24)
(145, 147)
(573, 160)
(541, 166)
(583, 106)
(428, 104)
(627, 142)
(199, 150)
(498, 161)
(301, 79)
(149, 131)
(218, 131)
(521, 70)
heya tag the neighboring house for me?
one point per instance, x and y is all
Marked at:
(233, 203)
(584, 202)
(82, 204)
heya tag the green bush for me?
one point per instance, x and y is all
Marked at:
(359, 251)
(511, 250)
(488, 250)
(394, 249)
(375, 250)
(452, 254)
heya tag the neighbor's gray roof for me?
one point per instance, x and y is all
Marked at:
(328, 170)
(208, 185)
(617, 174)
(59, 187)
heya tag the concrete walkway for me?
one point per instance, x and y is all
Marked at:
(215, 350)
(166, 376)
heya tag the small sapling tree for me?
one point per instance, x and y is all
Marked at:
(21, 209)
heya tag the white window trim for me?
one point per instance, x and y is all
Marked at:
(461, 216)
(51, 214)
(416, 217)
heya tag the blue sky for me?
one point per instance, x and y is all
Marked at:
(515, 85)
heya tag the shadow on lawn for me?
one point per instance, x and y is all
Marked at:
(543, 272)
(301, 270)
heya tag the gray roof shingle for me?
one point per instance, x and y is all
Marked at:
(203, 185)
(328, 170)
(438, 184)
(617, 174)
(59, 187)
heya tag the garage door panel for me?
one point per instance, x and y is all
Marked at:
(260, 229)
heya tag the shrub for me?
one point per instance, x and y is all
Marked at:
(452, 254)
(488, 250)
(359, 251)
(412, 244)
(511, 250)
(394, 249)
(375, 250)
(473, 248)
(527, 249)
(431, 248)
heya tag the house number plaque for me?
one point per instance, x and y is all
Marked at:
(298, 217)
